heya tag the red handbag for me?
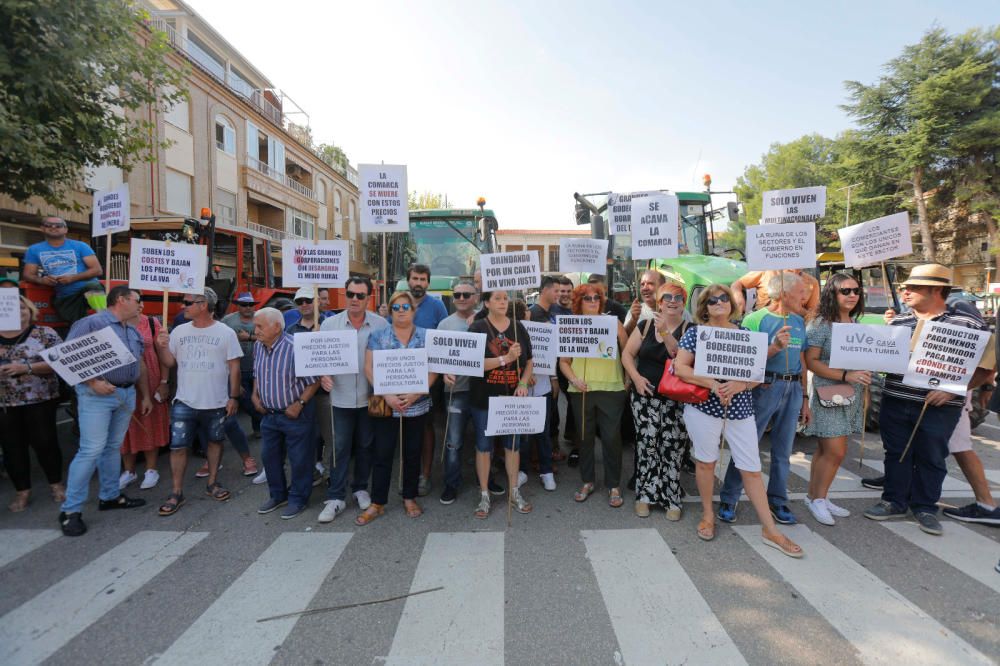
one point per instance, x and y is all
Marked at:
(674, 388)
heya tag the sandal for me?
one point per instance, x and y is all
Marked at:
(217, 492)
(20, 502)
(706, 530)
(615, 498)
(785, 545)
(584, 492)
(58, 492)
(413, 509)
(369, 514)
(174, 502)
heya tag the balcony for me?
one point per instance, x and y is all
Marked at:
(285, 180)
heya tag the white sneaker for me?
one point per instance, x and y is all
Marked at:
(522, 479)
(332, 509)
(125, 479)
(548, 481)
(150, 479)
(260, 478)
(836, 511)
(819, 511)
(363, 498)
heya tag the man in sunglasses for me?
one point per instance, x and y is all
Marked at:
(353, 433)
(301, 320)
(70, 267)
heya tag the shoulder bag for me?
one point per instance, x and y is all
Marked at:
(678, 390)
(836, 395)
(378, 407)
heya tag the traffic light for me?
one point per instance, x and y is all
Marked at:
(733, 209)
(582, 213)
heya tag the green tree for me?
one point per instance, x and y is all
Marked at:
(72, 76)
(333, 155)
(427, 200)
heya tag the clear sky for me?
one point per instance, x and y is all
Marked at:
(527, 102)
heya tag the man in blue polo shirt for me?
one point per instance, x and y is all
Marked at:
(68, 266)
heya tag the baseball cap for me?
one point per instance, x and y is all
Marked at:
(246, 298)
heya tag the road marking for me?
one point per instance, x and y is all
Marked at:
(37, 629)
(282, 580)
(646, 590)
(989, 426)
(18, 543)
(886, 628)
(993, 475)
(950, 482)
(463, 623)
(800, 466)
(969, 552)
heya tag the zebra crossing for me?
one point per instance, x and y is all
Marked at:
(653, 599)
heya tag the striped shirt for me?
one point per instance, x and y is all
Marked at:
(274, 374)
(127, 374)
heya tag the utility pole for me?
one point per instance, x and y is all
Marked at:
(847, 221)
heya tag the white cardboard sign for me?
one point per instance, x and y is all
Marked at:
(89, 356)
(802, 204)
(945, 357)
(111, 211)
(510, 270)
(584, 255)
(730, 354)
(620, 211)
(162, 266)
(582, 336)
(654, 226)
(326, 353)
(399, 371)
(515, 416)
(10, 309)
(384, 198)
(870, 347)
(456, 352)
(543, 347)
(781, 247)
(877, 240)
(305, 263)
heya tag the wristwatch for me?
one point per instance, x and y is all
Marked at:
(302, 402)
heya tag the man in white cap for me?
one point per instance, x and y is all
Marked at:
(301, 319)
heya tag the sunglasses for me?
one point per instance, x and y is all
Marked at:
(356, 294)
(53, 226)
(401, 307)
(677, 298)
(300, 301)
(846, 291)
(721, 298)
(461, 295)
(188, 304)
(592, 298)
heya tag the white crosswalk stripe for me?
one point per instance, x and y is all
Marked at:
(950, 482)
(844, 481)
(18, 543)
(960, 547)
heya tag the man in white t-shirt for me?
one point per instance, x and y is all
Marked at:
(207, 355)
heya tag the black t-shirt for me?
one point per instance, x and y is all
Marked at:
(539, 314)
(612, 307)
(652, 353)
(501, 380)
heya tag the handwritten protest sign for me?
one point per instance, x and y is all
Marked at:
(777, 247)
(456, 352)
(162, 266)
(515, 416)
(399, 371)
(580, 336)
(304, 263)
(326, 353)
(111, 211)
(870, 347)
(10, 309)
(584, 255)
(383, 196)
(510, 270)
(654, 226)
(620, 211)
(803, 204)
(876, 240)
(945, 356)
(88, 357)
(543, 346)
(731, 354)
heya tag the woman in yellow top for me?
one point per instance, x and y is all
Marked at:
(602, 382)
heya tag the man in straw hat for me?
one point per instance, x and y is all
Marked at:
(915, 483)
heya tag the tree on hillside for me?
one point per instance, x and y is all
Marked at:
(427, 200)
(72, 74)
(914, 118)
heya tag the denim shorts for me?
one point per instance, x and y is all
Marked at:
(185, 423)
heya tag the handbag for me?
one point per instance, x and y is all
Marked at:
(678, 390)
(378, 407)
(836, 395)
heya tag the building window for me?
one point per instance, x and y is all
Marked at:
(321, 191)
(301, 224)
(179, 115)
(225, 207)
(553, 258)
(225, 135)
(178, 192)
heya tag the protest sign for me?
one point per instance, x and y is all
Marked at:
(111, 211)
(654, 226)
(10, 309)
(515, 416)
(584, 255)
(870, 347)
(781, 247)
(510, 270)
(456, 352)
(383, 197)
(167, 266)
(945, 356)
(326, 353)
(543, 346)
(87, 357)
(580, 336)
(803, 204)
(399, 371)
(620, 211)
(877, 240)
(730, 354)
(993, 288)
(305, 263)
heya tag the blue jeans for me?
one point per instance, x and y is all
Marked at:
(915, 482)
(484, 444)
(458, 417)
(104, 421)
(542, 440)
(781, 401)
(282, 436)
(352, 429)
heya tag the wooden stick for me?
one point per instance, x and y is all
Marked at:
(314, 611)
(401, 451)
(914, 433)
(864, 424)
(447, 420)
(887, 286)
(385, 275)
(107, 268)
(166, 304)
(784, 314)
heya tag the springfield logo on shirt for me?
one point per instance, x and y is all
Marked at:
(58, 262)
(195, 352)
